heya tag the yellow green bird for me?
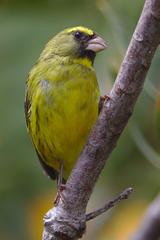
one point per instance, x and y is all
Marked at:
(62, 96)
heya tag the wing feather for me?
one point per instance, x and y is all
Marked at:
(51, 172)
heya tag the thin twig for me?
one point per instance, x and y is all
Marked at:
(123, 195)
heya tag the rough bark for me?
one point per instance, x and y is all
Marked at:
(68, 219)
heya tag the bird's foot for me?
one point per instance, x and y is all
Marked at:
(60, 195)
(101, 102)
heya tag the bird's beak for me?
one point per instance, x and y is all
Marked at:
(96, 44)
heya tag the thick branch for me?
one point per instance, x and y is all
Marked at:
(150, 227)
(67, 220)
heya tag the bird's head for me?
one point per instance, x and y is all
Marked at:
(76, 42)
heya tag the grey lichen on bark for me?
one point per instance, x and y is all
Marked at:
(68, 219)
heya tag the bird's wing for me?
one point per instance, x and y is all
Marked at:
(51, 172)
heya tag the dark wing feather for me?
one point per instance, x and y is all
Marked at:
(51, 172)
(27, 106)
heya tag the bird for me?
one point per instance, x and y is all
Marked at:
(62, 98)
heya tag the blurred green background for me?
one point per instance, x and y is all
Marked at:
(25, 193)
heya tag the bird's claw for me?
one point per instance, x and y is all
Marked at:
(60, 195)
(101, 102)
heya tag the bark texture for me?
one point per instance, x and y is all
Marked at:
(68, 220)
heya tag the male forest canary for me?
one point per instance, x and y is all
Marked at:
(62, 95)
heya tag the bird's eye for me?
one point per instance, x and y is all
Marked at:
(78, 35)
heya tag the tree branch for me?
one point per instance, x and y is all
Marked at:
(68, 220)
(123, 196)
(150, 227)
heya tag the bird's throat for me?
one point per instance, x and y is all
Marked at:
(84, 61)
